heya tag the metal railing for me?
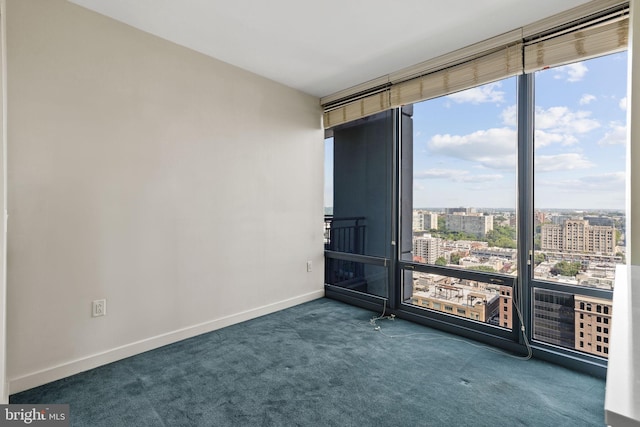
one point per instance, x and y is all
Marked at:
(345, 235)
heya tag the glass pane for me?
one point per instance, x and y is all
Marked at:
(579, 172)
(471, 299)
(464, 179)
(328, 176)
(358, 160)
(362, 176)
(572, 321)
(370, 279)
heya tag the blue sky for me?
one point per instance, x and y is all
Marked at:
(465, 143)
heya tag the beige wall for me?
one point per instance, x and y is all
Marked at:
(186, 192)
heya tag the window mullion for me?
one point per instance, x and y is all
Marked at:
(526, 110)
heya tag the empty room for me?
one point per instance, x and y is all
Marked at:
(319, 213)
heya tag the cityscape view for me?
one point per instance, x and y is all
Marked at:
(579, 248)
(464, 199)
(468, 168)
(572, 247)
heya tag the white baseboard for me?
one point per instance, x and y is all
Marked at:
(73, 367)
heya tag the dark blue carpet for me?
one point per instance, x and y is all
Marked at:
(323, 364)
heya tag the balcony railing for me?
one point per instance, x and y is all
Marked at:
(345, 235)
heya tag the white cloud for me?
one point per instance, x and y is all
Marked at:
(482, 178)
(457, 175)
(572, 72)
(562, 162)
(480, 94)
(617, 135)
(492, 148)
(542, 138)
(606, 182)
(555, 125)
(510, 116)
(438, 174)
(587, 98)
(623, 104)
(604, 179)
(563, 120)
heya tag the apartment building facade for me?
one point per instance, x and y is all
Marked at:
(577, 235)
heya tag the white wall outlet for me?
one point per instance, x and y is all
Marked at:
(99, 308)
(309, 267)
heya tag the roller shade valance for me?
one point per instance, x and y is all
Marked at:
(593, 29)
(488, 68)
(501, 63)
(580, 44)
(357, 109)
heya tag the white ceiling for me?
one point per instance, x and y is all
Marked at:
(323, 47)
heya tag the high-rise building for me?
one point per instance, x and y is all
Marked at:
(430, 221)
(427, 249)
(539, 217)
(464, 211)
(458, 300)
(418, 221)
(424, 221)
(600, 220)
(592, 323)
(476, 224)
(559, 219)
(505, 310)
(577, 235)
(553, 317)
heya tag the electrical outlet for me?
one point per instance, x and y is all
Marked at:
(99, 308)
(309, 267)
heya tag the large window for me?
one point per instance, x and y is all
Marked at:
(487, 194)
(580, 146)
(464, 179)
(579, 213)
(464, 201)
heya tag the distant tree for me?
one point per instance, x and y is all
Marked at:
(505, 242)
(502, 237)
(441, 261)
(484, 268)
(442, 223)
(456, 235)
(455, 258)
(539, 258)
(618, 236)
(566, 268)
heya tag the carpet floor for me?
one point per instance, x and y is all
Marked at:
(323, 364)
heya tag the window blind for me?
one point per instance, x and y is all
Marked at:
(407, 87)
(357, 109)
(588, 41)
(595, 28)
(505, 62)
